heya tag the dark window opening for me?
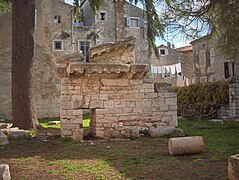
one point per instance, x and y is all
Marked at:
(89, 123)
(57, 19)
(58, 45)
(162, 51)
(84, 47)
(102, 16)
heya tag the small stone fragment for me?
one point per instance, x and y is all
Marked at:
(4, 172)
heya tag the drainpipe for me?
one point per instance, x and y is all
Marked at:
(116, 25)
(72, 31)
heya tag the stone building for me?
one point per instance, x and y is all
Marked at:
(174, 66)
(57, 34)
(112, 87)
(209, 63)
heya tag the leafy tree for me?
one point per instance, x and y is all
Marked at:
(5, 5)
(219, 18)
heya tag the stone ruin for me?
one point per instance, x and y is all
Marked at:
(113, 88)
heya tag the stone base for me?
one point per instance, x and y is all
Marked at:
(233, 167)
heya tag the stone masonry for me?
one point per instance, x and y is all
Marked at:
(121, 104)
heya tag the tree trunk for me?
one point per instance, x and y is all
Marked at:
(23, 103)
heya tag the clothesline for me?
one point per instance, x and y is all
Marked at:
(171, 69)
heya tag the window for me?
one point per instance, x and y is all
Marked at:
(163, 51)
(212, 55)
(134, 22)
(102, 16)
(57, 19)
(84, 46)
(203, 79)
(228, 69)
(57, 45)
(202, 57)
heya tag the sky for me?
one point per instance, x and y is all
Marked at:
(179, 41)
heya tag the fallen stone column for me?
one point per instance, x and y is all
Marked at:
(185, 145)
(233, 167)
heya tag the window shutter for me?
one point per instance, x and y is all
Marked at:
(127, 21)
(141, 22)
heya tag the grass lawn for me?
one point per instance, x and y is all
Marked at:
(142, 158)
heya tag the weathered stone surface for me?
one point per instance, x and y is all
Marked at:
(177, 132)
(121, 52)
(233, 167)
(15, 134)
(5, 125)
(4, 172)
(160, 131)
(3, 139)
(185, 145)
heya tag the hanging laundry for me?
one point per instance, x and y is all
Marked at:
(155, 70)
(152, 69)
(180, 80)
(172, 68)
(178, 68)
(167, 69)
(159, 69)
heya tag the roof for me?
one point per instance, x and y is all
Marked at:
(201, 39)
(185, 48)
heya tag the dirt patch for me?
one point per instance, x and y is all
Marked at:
(50, 157)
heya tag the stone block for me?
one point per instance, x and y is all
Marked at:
(119, 104)
(66, 132)
(127, 110)
(3, 139)
(233, 167)
(158, 131)
(103, 96)
(67, 105)
(151, 95)
(96, 104)
(5, 172)
(136, 81)
(78, 134)
(65, 98)
(108, 104)
(15, 134)
(115, 82)
(131, 104)
(115, 96)
(166, 119)
(101, 112)
(137, 110)
(171, 101)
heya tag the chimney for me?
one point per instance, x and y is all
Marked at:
(169, 44)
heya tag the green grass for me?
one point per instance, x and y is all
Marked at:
(220, 138)
(44, 122)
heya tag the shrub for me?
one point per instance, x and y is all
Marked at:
(202, 100)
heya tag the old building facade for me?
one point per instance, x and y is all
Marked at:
(210, 64)
(57, 34)
(174, 66)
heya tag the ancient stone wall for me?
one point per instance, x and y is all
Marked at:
(121, 103)
(234, 99)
